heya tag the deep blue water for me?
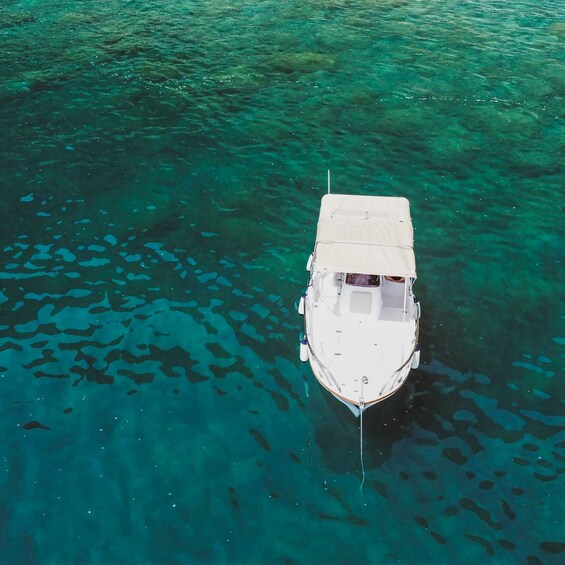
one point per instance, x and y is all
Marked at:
(162, 165)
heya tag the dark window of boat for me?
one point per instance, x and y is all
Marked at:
(358, 279)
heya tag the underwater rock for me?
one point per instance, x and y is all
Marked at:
(393, 3)
(553, 74)
(35, 425)
(553, 546)
(84, 54)
(239, 78)
(404, 122)
(35, 80)
(73, 19)
(306, 62)
(12, 19)
(260, 439)
(452, 144)
(557, 29)
(42, 79)
(158, 72)
(505, 121)
(124, 45)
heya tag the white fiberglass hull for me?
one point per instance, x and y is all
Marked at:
(361, 341)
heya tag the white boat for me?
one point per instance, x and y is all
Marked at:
(360, 315)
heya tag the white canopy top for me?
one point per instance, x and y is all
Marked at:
(365, 234)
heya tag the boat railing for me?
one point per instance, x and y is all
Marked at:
(323, 369)
(394, 380)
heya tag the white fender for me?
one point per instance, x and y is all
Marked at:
(416, 359)
(309, 264)
(301, 305)
(303, 350)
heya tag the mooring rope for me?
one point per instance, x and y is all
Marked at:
(361, 410)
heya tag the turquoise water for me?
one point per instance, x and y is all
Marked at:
(162, 167)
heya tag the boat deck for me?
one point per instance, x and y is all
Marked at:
(361, 338)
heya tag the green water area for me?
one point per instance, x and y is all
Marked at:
(161, 170)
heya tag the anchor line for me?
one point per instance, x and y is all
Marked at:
(361, 410)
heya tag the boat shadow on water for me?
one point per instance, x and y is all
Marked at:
(336, 433)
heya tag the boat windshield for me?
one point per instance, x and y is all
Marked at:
(357, 279)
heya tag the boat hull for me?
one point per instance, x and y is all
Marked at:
(361, 342)
(355, 407)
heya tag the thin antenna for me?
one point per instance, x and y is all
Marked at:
(329, 191)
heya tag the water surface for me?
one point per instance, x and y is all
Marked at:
(162, 168)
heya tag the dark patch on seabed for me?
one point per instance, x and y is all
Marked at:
(162, 169)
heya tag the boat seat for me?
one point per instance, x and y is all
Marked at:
(393, 289)
(360, 302)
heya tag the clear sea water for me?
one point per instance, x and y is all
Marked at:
(162, 164)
